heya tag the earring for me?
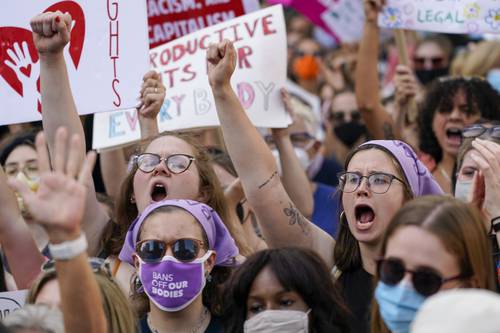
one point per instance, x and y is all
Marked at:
(138, 284)
(132, 199)
(209, 277)
(342, 216)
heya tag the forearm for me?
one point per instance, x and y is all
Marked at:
(113, 170)
(294, 177)
(81, 302)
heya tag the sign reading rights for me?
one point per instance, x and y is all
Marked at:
(171, 19)
(260, 41)
(450, 16)
(106, 37)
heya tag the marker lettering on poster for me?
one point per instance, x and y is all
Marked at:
(114, 49)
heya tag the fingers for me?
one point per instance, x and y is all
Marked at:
(52, 23)
(42, 154)
(22, 189)
(26, 52)
(13, 55)
(74, 156)
(60, 149)
(85, 174)
(19, 53)
(213, 55)
(485, 158)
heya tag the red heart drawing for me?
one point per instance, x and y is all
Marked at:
(26, 70)
(11, 35)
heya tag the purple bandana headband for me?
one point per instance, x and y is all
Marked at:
(420, 179)
(219, 238)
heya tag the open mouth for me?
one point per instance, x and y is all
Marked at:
(364, 216)
(454, 136)
(158, 192)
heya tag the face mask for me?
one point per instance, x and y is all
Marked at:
(398, 305)
(349, 132)
(426, 76)
(463, 189)
(306, 67)
(173, 285)
(301, 154)
(275, 321)
(33, 186)
(493, 78)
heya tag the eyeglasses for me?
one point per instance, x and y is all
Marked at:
(476, 130)
(340, 116)
(435, 62)
(30, 169)
(97, 265)
(184, 249)
(176, 163)
(425, 280)
(299, 139)
(378, 182)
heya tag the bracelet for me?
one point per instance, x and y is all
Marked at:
(495, 224)
(69, 249)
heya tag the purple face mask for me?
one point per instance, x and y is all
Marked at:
(172, 285)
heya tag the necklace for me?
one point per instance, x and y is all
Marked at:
(444, 174)
(203, 317)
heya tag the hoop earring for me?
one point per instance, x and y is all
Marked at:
(342, 217)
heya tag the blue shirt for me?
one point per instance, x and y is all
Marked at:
(326, 208)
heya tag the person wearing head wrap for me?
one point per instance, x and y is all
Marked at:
(177, 247)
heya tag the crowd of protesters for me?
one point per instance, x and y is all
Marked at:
(380, 212)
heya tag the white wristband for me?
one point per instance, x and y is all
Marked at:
(69, 249)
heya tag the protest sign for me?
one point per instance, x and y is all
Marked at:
(260, 41)
(450, 16)
(169, 20)
(11, 301)
(106, 56)
(343, 19)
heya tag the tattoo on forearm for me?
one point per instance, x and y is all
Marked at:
(388, 132)
(296, 218)
(275, 173)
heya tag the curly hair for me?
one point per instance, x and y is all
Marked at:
(479, 94)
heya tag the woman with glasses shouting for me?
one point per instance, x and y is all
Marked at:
(433, 243)
(381, 176)
(176, 247)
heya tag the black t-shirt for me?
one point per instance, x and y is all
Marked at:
(215, 326)
(357, 290)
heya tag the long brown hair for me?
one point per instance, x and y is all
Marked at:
(460, 229)
(347, 255)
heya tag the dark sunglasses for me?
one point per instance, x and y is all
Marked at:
(176, 163)
(184, 249)
(476, 130)
(435, 61)
(339, 116)
(425, 280)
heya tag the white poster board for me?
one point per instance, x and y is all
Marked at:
(106, 57)
(449, 16)
(11, 301)
(260, 40)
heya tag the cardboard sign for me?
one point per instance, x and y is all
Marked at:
(169, 20)
(11, 301)
(106, 56)
(260, 41)
(343, 19)
(450, 16)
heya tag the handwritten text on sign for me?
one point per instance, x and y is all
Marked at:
(451, 16)
(169, 20)
(106, 37)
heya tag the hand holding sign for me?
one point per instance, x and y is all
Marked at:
(51, 31)
(152, 95)
(221, 59)
(59, 203)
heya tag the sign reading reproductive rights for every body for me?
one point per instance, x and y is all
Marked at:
(260, 41)
(106, 57)
(450, 16)
(171, 19)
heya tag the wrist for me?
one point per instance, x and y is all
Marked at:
(51, 57)
(57, 236)
(221, 89)
(69, 249)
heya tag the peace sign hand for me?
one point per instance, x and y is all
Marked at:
(59, 203)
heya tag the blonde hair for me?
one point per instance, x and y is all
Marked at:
(485, 56)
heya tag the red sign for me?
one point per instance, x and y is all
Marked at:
(171, 19)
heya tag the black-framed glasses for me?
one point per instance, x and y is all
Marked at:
(378, 182)
(184, 249)
(426, 281)
(97, 265)
(176, 163)
(476, 130)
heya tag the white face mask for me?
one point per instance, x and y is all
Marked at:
(275, 321)
(463, 189)
(302, 155)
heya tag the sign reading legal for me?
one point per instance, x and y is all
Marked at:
(105, 37)
(450, 16)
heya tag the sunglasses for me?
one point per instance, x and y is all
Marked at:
(184, 249)
(176, 163)
(476, 130)
(340, 116)
(425, 280)
(435, 61)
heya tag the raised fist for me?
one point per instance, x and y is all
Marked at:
(51, 31)
(221, 59)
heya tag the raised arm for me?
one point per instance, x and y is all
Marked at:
(51, 33)
(379, 123)
(282, 223)
(16, 239)
(59, 206)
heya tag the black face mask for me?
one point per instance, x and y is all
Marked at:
(349, 132)
(426, 76)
